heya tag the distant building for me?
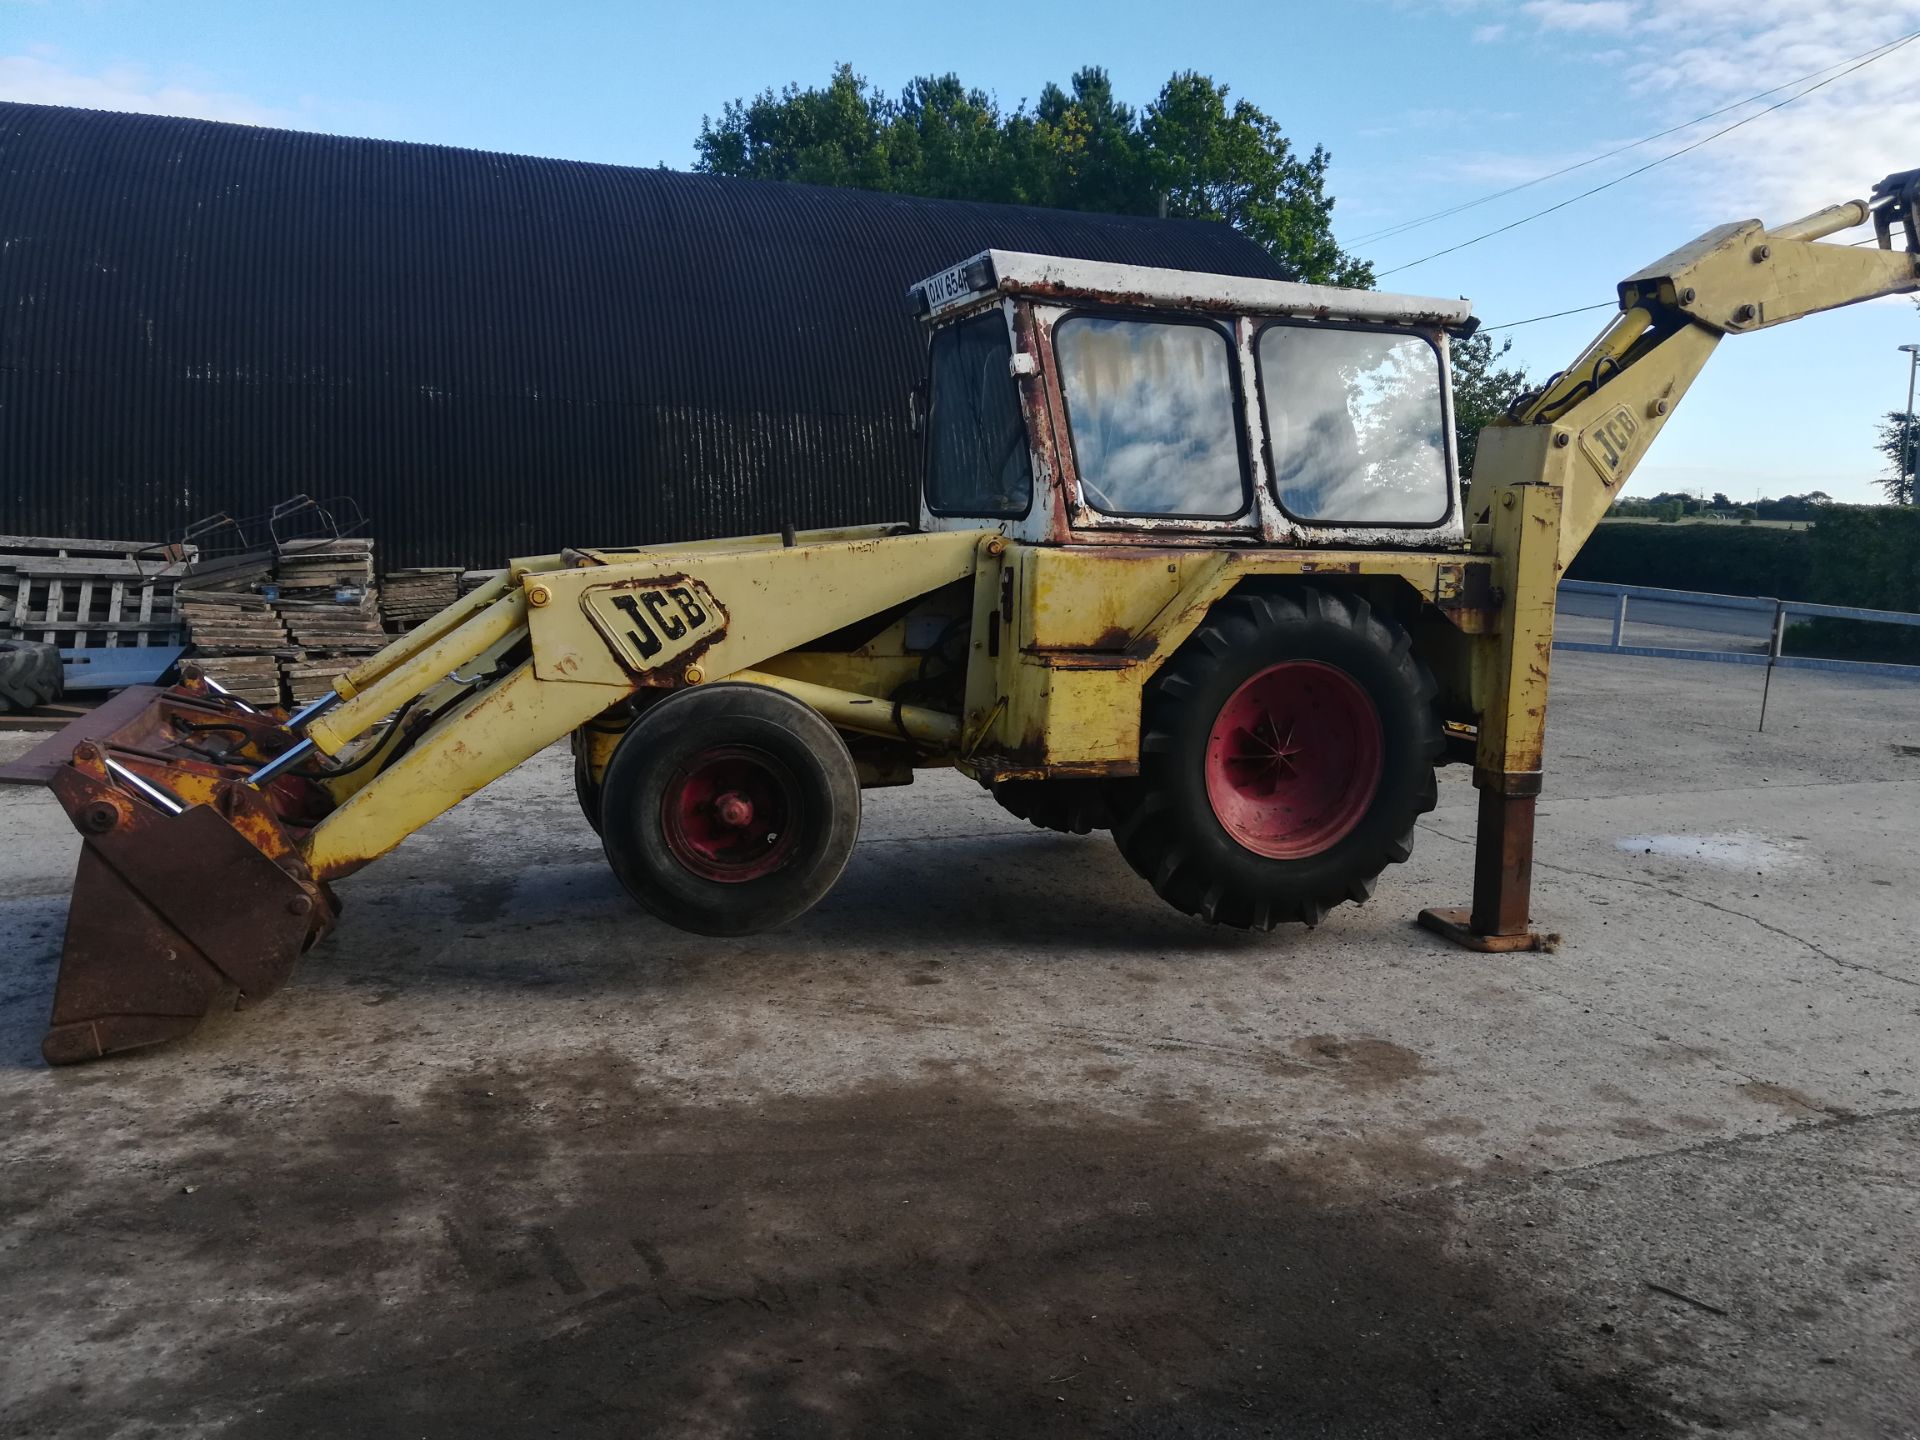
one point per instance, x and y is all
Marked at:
(494, 354)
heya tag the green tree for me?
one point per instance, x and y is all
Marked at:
(1483, 387)
(1899, 441)
(1194, 153)
(1215, 161)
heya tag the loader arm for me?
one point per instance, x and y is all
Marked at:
(213, 831)
(1547, 472)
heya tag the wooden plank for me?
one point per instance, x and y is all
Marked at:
(104, 547)
(83, 611)
(115, 598)
(42, 567)
(56, 597)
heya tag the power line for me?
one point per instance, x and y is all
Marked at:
(1578, 310)
(1402, 227)
(1651, 164)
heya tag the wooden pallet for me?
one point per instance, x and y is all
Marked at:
(86, 594)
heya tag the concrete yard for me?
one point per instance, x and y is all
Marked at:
(995, 1144)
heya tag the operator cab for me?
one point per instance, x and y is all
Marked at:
(1077, 401)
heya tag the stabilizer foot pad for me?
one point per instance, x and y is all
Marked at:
(1457, 925)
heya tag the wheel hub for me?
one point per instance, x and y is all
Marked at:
(734, 810)
(728, 812)
(1294, 759)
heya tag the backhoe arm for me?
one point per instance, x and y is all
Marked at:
(1605, 409)
(1547, 472)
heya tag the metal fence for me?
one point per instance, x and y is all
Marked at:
(1761, 620)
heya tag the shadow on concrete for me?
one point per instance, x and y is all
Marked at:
(573, 1252)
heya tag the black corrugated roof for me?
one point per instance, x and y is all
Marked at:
(494, 353)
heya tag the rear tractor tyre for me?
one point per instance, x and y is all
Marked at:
(729, 809)
(1286, 751)
(30, 675)
(1072, 807)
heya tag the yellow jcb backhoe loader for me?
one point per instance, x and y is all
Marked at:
(1192, 563)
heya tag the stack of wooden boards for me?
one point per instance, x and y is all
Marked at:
(238, 638)
(332, 611)
(409, 596)
(277, 625)
(89, 594)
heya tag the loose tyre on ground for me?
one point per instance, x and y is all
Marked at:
(729, 809)
(29, 675)
(1072, 807)
(1286, 752)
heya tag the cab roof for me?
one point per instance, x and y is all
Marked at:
(1053, 277)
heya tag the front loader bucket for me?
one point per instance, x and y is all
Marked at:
(190, 895)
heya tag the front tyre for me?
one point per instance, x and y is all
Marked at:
(729, 809)
(1286, 752)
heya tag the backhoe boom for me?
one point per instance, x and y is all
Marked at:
(1547, 473)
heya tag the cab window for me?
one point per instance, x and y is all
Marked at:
(977, 460)
(1356, 425)
(1150, 407)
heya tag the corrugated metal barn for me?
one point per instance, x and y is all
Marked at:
(494, 354)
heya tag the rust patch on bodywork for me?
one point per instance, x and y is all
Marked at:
(1471, 597)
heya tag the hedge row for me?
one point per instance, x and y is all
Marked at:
(1721, 559)
(1865, 555)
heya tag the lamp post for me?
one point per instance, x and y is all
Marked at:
(1909, 470)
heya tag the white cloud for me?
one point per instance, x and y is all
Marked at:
(40, 80)
(1487, 34)
(1682, 58)
(1831, 145)
(1586, 16)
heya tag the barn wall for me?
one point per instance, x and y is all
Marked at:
(494, 354)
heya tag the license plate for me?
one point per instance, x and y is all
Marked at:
(949, 287)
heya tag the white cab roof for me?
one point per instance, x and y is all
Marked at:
(1014, 272)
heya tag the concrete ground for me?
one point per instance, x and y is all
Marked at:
(995, 1144)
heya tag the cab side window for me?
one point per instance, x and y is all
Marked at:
(977, 458)
(1356, 425)
(1150, 406)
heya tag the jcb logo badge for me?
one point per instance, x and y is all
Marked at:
(1609, 442)
(650, 624)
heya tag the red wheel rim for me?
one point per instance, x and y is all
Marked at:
(1293, 760)
(729, 814)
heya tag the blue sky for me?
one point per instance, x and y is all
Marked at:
(1421, 102)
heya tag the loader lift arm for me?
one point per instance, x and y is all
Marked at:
(1547, 472)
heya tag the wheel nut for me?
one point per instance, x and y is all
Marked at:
(734, 810)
